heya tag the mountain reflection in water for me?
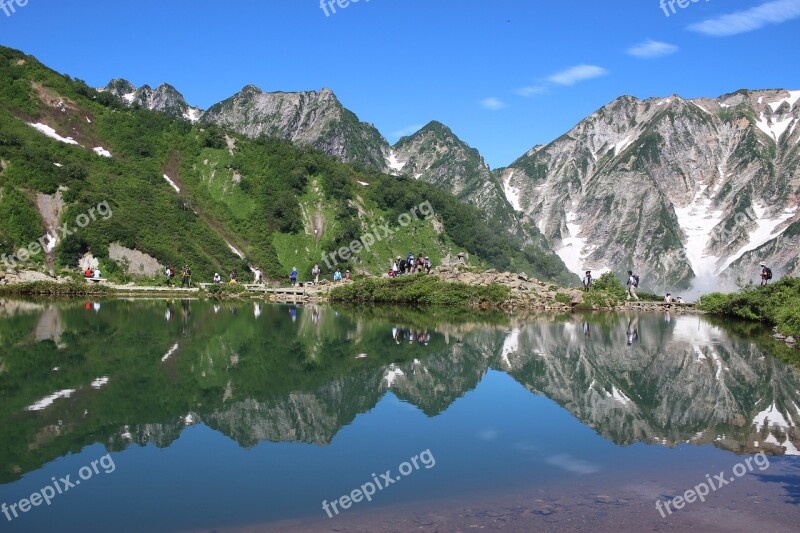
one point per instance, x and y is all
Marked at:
(135, 372)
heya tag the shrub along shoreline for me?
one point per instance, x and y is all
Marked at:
(421, 290)
(776, 305)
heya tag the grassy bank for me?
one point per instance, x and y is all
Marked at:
(421, 290)
(777, 305)
(51, 288)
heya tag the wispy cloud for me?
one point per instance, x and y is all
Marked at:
(531, 90)
(651, 48)
(573, 75)
(571, 464)
(493, 103)
(755, 18)
(408, 130)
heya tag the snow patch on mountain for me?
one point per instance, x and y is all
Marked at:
(234, 250)
(393, 162)
(766, 230)
(193, 114)
(172, 183)
(794, 96)
(512, 193)
(50, 132)
(624, 143)
(774, 129)
(696, 220)
(573, 248)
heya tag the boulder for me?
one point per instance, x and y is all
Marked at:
(523, 276)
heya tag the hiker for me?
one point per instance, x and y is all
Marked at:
(337, 276)
(315, 272)
(766, 274)
(679, 300)
(587, 280)
(169, 272)
(401, 263)
(233, 276)
(97, 273)
(668, 298)
(633, 283)
(393, 271)
(186, 275)
(420, 263)
(293, 276)
(410, 263)
(347, 275)
(256, 276)
(217, 278)
(88, 273)
(428, 265)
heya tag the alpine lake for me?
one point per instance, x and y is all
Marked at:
(169, 415)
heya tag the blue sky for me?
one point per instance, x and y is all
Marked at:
(505, 75)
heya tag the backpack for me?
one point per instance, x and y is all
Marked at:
(768, 273)
(636, 280)
(171, 271)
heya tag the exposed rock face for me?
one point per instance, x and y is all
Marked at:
(165, 98)
(434, 154)
(137, 263)
(311, 118)
(675, 189)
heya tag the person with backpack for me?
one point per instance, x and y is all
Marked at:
(420, 263)
(315, 272)
(633, 283)
(402, 265)
(428, 265)
(293, 276)
(186, 276)
(169, 272)
(410, 263)
(766, 274)
(587, 280)
(217, 278)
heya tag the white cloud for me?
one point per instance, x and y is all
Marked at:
(493, 103)
(648, 49)
(573, 75)
(408, 130)
(755, 18)
(529, 91)
(571, 464)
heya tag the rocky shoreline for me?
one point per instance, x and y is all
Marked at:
(530, 293)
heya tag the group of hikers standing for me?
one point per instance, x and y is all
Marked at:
(410, 265)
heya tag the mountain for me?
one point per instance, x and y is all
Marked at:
(180, 192)
(434, 154)
(314, 119)
(682, 191)
(165, 99)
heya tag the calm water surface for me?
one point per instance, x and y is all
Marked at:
(203, 416)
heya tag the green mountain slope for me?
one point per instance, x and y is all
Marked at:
(194, 194)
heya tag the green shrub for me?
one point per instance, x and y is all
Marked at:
(777, 304)
(421, 290)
